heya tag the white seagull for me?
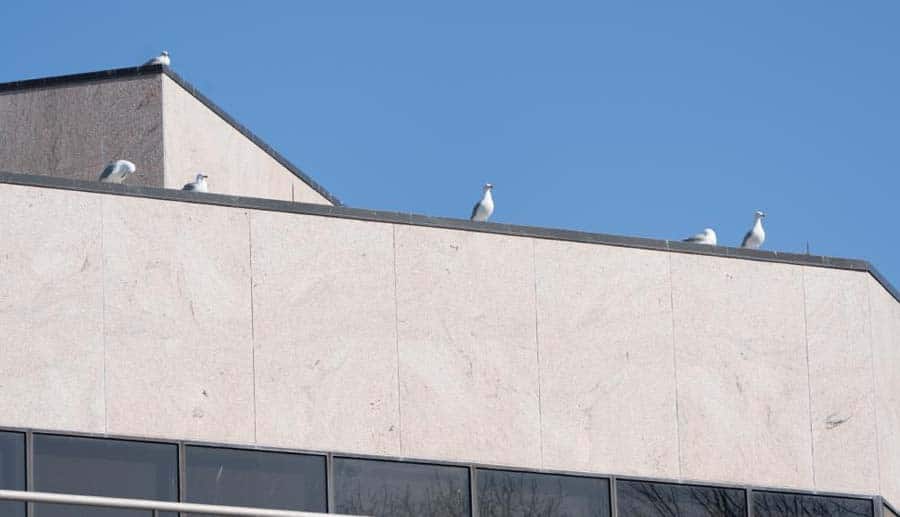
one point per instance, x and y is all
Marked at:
(198, 185)
(707, 236)
(484, 208)
(117, 171)
(162, 59)
(756, 236)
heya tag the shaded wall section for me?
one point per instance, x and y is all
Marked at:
(74, 131)
(236, 325)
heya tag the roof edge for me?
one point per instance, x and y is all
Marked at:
(148, 70)
(536, 232)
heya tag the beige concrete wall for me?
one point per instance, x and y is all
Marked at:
(198, 140)
(228, 325)
(74, 131)
(886, 359)
(842, 395)
(743, 390)
(469, 383)
(607, 370)
(177, 318)
(325, 334)
(51, 310)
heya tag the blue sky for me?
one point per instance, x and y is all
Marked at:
(648, 118)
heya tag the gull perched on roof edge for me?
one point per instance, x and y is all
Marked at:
(483, 209)
(707, 236)
(756, 236)
(162, 59)
(198, 185)
(117, 171)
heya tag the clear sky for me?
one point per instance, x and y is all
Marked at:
(647, 118)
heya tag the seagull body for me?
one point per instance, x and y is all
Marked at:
(707, 236)
(484, 208)
(117, 171)
(198, 185)
(756, 236)
(162, 59)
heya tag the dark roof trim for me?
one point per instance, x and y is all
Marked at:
(129, 73)
(445, 222)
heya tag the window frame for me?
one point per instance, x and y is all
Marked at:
(878, 503)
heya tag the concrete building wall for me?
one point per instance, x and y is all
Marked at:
(177, 320)
(466, 333)
(198, 140)
(842, 389)
(235, 325)
(886, 357)
(325, 336)
(74, 131)
(51, 310)
(743, 386)
(607, 370)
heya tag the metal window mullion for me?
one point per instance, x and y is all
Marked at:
(878, 509)
(329, 483)
(182, 478)
(613, 497)
(474, 511)
(29, 470)
(749, 498)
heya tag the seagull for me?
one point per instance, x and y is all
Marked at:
(484, 208)
(198, 185)
(117, 171)
(707, 236)
(756, 236)
(162, 59)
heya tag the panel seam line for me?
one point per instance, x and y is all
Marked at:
(537, 348)
(252, 321)
(397, 341)
(674, 362)
(812, 441)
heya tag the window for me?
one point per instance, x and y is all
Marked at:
(95, 466)
(778, 504)
(888, 512)
(255, 478)
(394, 489)
(645, 499)
(504, 493)
(12, 470)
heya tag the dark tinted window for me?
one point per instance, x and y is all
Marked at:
(255, 478)
(890, 513)
(393, 489)
(777, 504)
(643, 499)
(112, 468)
(503, 493)
(12, 470)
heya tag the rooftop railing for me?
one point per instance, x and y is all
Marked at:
(155, 507)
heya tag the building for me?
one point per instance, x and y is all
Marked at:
(263, 345)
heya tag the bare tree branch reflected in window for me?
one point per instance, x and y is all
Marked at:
(519, 494)
(776, 504)
(392, 489)
(645, 499)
